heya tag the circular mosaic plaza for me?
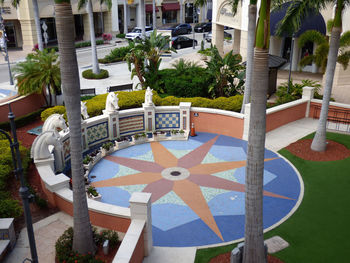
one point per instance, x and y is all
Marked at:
(197, 187)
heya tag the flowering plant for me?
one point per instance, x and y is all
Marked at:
(106, 37)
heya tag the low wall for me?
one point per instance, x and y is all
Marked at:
(332, 105)
(218, 121)
(286, 113)
(21, 106)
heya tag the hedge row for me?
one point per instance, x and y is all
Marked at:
(135, 99)
(22, 121)
(116, 55)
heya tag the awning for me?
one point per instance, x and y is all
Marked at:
(314, 21)
(149, 9)
(170, 7)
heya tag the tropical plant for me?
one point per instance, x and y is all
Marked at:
(227, 73)
(145, 56)
(39, 71)
(82, 239)
(321, 52)
(295, 13)
(88, 3)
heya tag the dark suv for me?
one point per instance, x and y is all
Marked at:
(203, 27)
(180, 29)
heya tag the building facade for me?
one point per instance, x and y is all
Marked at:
(21, 31)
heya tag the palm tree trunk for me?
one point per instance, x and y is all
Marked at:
(37, 25)
(254, 250)
(319, 143)
(95, 65)
(82, 238)
(250, 55)
(154, 16)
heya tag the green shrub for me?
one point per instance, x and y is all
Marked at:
(22, 121)
(56, 109)
(64, 244)
(120, 35)
(10, 208)
(134, 99)
(88, 74)
(116, 55)
(82, 44)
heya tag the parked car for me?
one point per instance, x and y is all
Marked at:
(136, 33)
(180, 29)
(203, 27)
(182, 42)
(209, 36)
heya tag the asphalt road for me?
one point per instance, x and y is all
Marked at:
(84, 56)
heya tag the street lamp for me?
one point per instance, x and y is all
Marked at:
(23, 190)
(3, 44)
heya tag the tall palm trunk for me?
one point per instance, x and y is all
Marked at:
(37, 25)
(82, 238)
(254, 240)
(250, 54)
(95, 65)
(154, 16)
(319, 142)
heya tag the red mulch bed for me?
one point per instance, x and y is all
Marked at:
(225, 258)
(335, 151)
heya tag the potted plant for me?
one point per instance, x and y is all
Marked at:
(93, 194)
(139, 138)
(174, 134)
(87, 162)
(122, 142)
(107, 148)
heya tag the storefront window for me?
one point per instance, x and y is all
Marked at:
(51, 29)
(10, 34)
(169, 17)
(79, 27)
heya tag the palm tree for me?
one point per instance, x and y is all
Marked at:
(321, 52)
(254, 240)
(39, 71)
(15, 4)
(295, 13)
(145, 56)
(82, 237)
(88, 3)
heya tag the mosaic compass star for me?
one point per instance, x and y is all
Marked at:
(184, 176)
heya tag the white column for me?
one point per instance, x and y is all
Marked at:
(296, 55)
(149, 117)
(115, 17)
(126, 22)
(308, 94)
(185, 111)
(140, 208)
(236, 43)
(246, 122)
(218, 37)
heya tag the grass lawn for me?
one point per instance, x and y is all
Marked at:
(319, 230)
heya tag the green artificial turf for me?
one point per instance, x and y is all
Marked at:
(319, 230)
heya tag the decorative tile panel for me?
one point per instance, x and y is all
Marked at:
(131, 124)
(167, 120)
(97, 133)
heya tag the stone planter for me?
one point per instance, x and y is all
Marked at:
(97, 158)
(122, 144)
(161, 136)
(88, 166)
(96, 198)
(139, 140)
(106, 152)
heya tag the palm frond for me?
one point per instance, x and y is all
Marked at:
(296, 12)
(307, 60)
(234, 5)
(343, 59)
(345, 39)
(311, 36)
(200, 2)
(321, 54)
(108, 3)
(81, 3)
(330, 23)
